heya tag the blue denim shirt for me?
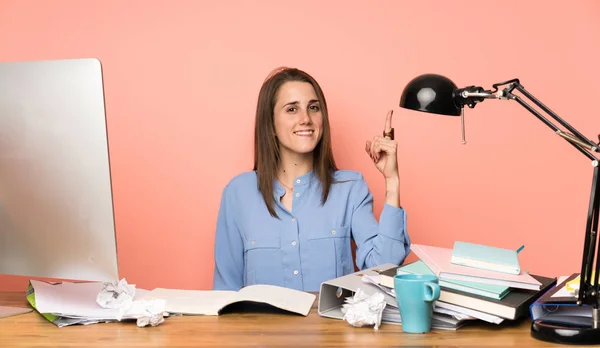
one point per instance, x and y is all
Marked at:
(310, 244)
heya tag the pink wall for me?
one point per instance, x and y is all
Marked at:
(182, 78)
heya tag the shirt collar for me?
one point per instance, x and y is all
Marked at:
(306, 178)
(299, 181)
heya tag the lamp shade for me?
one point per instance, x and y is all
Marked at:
(431, 93)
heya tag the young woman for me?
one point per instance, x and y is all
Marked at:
(289, 221)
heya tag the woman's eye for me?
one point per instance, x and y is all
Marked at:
(291, 109)
(314, 107)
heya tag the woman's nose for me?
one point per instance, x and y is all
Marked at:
(305, 117)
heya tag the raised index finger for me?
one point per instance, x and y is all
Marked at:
(388, 121)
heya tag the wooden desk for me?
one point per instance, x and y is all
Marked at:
(262, 327)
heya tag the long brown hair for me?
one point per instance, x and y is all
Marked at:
(266, 147)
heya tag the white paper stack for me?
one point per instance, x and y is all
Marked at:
(75, 303)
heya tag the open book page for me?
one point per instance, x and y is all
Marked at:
(284, 298)
(194, 302)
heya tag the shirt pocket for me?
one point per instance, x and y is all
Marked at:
(263, 261)
(332, 246)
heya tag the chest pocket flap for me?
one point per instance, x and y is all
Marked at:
(262, 243)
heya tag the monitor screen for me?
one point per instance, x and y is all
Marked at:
(56, 207)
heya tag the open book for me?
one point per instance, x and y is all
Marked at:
(211, 302)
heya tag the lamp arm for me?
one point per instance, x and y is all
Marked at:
(589, 288)
(564, 123)
(472, 95)
(581, 144)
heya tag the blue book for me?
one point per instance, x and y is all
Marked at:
(486, 257)
(496, 292)
(560, 306)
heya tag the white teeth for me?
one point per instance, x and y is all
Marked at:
(308, 132)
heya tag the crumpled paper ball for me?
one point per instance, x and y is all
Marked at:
(146, 312)
(116, 294)
(362, 309)
(120, 295)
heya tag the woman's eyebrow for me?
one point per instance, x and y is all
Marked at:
(291, 103)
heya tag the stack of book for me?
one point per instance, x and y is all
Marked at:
(479, 289)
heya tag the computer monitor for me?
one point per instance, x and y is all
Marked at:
(56, 204)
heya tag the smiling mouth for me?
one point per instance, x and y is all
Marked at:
(304, 132)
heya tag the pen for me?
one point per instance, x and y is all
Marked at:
(521, 248)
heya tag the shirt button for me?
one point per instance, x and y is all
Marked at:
(296, 271)
(294, 243)
(253, 243)
(333, 232)
(298, 194)
(298, 181)
(293, 219)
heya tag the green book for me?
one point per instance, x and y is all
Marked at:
(496, 292)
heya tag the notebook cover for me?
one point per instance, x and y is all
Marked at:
(484, 256)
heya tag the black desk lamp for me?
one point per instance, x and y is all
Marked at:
(439, 95)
